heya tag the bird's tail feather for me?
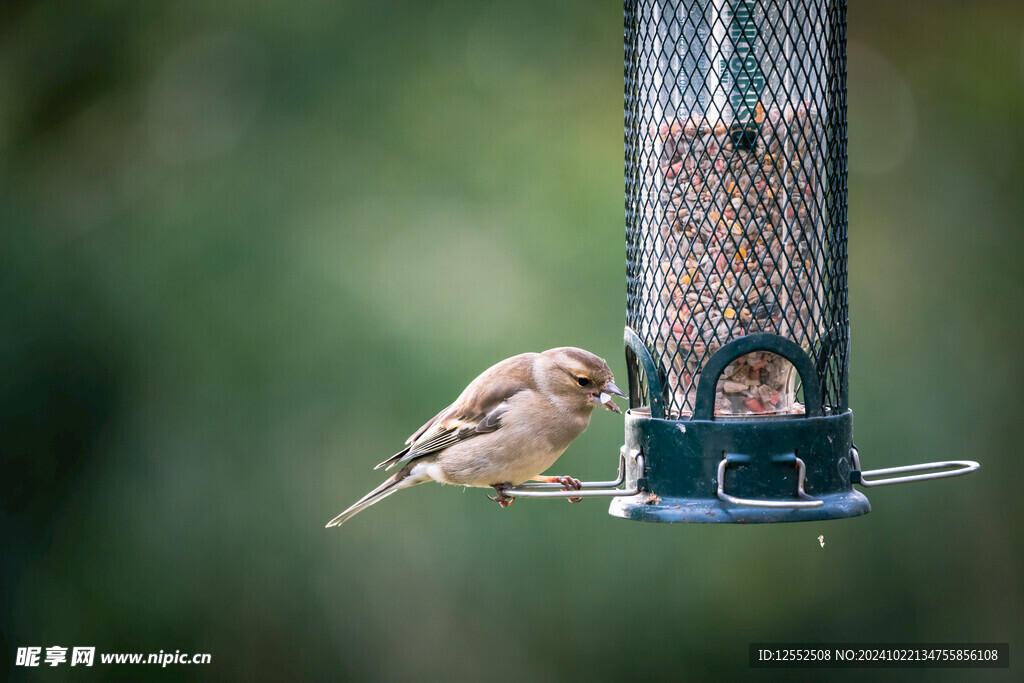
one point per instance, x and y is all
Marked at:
(393, 460)
(396, 482)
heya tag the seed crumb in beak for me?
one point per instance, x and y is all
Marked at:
(608, 403)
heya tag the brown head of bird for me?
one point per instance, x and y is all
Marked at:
(576, 378)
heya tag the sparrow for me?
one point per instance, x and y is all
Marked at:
(510, 424)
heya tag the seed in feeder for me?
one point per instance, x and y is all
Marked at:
(767, 206)
(731, 387)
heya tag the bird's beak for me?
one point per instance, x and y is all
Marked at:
(604, 399)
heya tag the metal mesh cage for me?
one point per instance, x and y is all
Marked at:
(735, 170)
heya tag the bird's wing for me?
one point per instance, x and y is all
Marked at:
(419, 432)
(477, 411)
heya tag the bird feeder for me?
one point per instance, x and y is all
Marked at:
(737, 338)
(738, 335)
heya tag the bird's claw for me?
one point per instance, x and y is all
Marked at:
(502, 499)
(570, 484)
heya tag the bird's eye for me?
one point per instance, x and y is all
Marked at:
(583, 381)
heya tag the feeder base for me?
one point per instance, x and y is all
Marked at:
(648, 507)
(763, 470)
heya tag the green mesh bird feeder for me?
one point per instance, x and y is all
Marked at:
(738, 337)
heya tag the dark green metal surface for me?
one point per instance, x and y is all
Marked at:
(681, 468)
(682, 457)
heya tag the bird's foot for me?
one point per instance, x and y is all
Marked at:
(502, 499)
(568, 484)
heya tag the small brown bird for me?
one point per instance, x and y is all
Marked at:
(510, 424)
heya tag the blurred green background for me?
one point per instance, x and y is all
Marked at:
(248, 247)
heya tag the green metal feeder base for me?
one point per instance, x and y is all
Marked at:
(792, 468)
(770, 470)
(638, 509)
